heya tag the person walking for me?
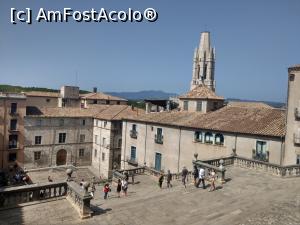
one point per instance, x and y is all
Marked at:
(169, 178)
(93, 189)
(202, 177)
(160, 180)
(196, 175)
(125, 186)
(212, 180)
(119, 187)
(184, 173)
(126, 175)
(106, 189)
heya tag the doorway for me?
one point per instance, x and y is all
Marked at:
(61, 157)
(157, 161)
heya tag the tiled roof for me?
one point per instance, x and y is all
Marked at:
(106, 112)
(42, 94)
(250, 104)
(254, 121)
(119, 112)
(201, 92)
(101, 96)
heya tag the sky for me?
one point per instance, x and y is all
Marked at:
(256, 41)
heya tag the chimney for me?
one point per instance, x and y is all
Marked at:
(168, 105)
(148, 107)
(94, 89)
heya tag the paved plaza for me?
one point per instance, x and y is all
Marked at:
(248, 198)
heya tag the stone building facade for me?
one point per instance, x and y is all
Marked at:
(12, 112)
(69, 96)
(79, 137)
(58, 140)
(169, 140)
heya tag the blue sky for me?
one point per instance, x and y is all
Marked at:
(255, 43)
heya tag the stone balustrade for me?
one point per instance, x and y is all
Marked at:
(80, 198)
(216, 162)
(274, 169)
(136, 170)
(13, 196)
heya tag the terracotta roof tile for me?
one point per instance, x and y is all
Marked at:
(101, 96)
(106, 112)
(255, 121)
(250, 104)
(201, 92)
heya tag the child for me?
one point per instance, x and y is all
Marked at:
(106, 189)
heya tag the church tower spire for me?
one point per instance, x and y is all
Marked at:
(204, 63)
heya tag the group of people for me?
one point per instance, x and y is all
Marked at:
(122, 186)
(200, 177)
(168, 177)
(198, 174)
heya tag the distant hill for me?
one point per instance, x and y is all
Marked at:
(136, 96)
(273, 104)
(140, 95)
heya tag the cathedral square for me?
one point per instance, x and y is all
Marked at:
(75, 156)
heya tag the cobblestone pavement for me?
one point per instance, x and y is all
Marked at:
(248, 198)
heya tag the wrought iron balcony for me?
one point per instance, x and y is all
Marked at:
(13, 130)
(13, 113)
(297, 139)
(260, 157)
(159, 139)
(133, 134)
(297, 113)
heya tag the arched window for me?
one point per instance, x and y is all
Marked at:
(198, 136)
(209, 138)
(219, 139)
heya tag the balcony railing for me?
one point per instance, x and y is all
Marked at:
(13, 113)
(297, 139)
(133, 134)
(297, 113)
(159, 139)
(13, 129)
(260, 157)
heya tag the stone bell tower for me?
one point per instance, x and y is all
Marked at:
(292, 137)
(204, 63)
